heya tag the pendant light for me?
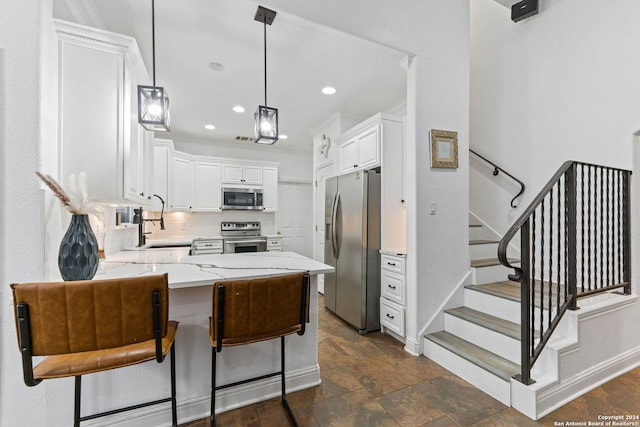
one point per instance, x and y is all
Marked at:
(153, 102)
(266, 118)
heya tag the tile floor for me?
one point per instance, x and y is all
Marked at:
(370, 381)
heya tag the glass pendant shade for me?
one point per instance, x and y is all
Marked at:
(266, 125)
(153, 108)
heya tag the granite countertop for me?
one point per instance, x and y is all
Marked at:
(202, 270)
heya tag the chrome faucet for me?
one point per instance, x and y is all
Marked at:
(138, 219)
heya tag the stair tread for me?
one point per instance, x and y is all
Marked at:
(506, 289)
(480, 357)
(496, 324)
(511, 291)
(489, 262)
(482, 242)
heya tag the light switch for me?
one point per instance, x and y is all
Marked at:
(432, 208)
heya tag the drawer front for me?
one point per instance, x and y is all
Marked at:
(274, 243)
(392, 316)
(392, 263)
(215, 244)
(393, 286)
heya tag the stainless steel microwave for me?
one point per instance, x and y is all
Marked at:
(242, 198)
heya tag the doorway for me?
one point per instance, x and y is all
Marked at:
(295, 221)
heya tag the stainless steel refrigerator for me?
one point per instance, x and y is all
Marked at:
(352, 245)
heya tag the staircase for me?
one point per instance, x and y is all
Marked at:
(481, 339)
(569, 323)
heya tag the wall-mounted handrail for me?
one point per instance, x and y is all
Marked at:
(496, 170)
(575, 241)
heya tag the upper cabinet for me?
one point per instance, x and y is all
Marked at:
(270, 189)
(206, 186)
(162, 155)
(359, 148)
(241, 174)
(99, 134)
(181, 182)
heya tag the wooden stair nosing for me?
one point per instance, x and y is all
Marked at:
(510, 291)
(482, 242)
(490, 362)
(490, 262)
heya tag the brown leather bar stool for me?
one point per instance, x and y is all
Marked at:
(248, 311)
(90, 326)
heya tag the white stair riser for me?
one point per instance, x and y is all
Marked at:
(476, 233)
(499, 307)
(483, 251)
(491, 274)
(493, 341)
(484, 380)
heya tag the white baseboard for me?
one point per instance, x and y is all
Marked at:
(197, 407)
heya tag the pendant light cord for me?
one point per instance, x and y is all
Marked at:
(265, 63)
(153, 41)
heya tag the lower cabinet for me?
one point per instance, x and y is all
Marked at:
(274, 244)
(392, 292)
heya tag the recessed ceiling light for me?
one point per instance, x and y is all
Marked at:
(216, 66)
(210, 127)
(238, 109)
(283, 136)
(328, 90)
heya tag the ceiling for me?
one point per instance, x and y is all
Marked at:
(302, 58)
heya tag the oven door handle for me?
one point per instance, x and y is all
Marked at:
(246, 241)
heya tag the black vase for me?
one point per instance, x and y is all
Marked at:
(78, 256)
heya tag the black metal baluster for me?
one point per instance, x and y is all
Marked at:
(601, 228)
(619, 228)
(566, 236)
(550, 255)
(608, 205)
(532, 303)
(583, 260)
(589, 249)
(558, 251)
(542, 267)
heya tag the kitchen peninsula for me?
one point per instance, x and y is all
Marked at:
(190, 283)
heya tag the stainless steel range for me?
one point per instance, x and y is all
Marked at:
(240, 237)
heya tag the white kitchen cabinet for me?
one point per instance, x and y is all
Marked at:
(162, 153)
(274, 244)
(360, 149)
(241, 174)
(181, 183)
(206, 187)
(270, 188)
(392, 292)
(98, 73)
(379, 141)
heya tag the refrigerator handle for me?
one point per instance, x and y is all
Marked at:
(334, 237)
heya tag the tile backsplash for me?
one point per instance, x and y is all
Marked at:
(203, 224)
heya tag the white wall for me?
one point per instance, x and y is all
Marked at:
(26, 38)
(437, 33)
(561, 85)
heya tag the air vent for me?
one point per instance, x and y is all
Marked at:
(244, 138)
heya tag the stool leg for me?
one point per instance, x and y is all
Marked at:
(174, 411)
(76, 402)
(212, 414)
(285, 403)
